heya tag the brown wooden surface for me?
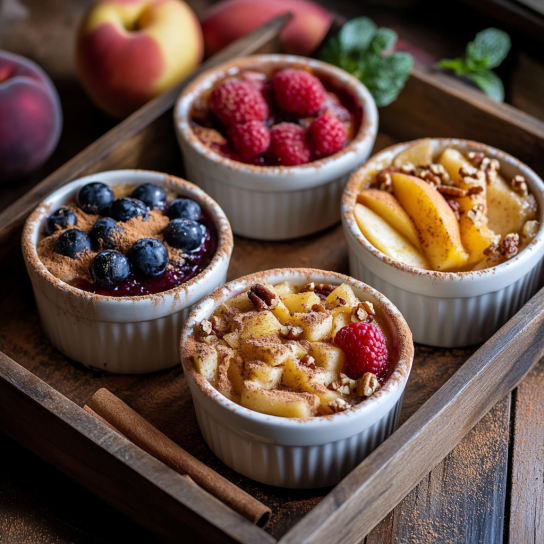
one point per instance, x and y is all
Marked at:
(440, 509)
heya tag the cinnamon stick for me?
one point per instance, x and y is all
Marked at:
(129, 423)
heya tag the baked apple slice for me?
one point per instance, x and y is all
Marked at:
(435, 221)
(419, 154)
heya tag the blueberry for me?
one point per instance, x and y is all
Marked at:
(184, 234)
(148, 257)
(95, 197)
(60, 220)
(125, 208)
(105, 233)
(184, 208)
(72, 242)
(109, 268)
(151, 195)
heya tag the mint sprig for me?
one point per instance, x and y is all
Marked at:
(489, 48)
(367, 52)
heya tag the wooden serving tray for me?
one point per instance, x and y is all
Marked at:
(42, 392)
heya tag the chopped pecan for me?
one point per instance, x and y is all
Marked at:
(408, 168)
(291, 332)
(338, 405)
(440, 171)
(308, 361)
(520, 185)
(367, 385)
(262, 298)
(221, 326)
(324, 288)
(476, 213)
(476, 190)
(492, 250)
(455, 208)
(309, 286)
(475, 157)
(211, 339)
(359, 313)
(339, 301)
(383, 179)
(490, 167)
(510, 245)
(319, 308)
(425, 173)
(453, 192)
(205, 328)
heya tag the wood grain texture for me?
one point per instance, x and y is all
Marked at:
(354, 507)
(527, 491)
(463, 498)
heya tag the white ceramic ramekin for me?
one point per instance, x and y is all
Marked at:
(298, 453)
(447, 309)
(275, 203)
(130, 335)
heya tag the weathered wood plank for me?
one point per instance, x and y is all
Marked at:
(357, 504)
(527, 491)
(463, 498)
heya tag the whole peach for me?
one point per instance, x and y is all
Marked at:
(30, 116)
(129, 51)
(229, 20)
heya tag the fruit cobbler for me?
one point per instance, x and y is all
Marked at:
(287, 117)
(127, 240)
(293, 351)
(449, 212)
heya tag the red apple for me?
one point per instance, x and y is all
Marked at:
(30, 116)
(229, 20)
(129, 51)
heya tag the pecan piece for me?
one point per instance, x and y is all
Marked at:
(338, 405)
(475, 157)
(510, 245)
(205, 328)
(408, 168)
(455, 207)
(367, 385)
(291, 332)
(362, 312)
(453, 192)
(262, 298)
(476, 213)
(308, 361)
(319, 308)
(324, 288)
(383, 179)
(476, 190)
(492, 250)
(520, 185)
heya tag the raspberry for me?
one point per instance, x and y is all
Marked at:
(326, 135)
(249, 139)
(364, 346)
(298, 92)
(288, 144)
(235, 102)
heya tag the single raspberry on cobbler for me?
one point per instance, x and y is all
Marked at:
(326, 135)
(365, 349)
(288, 144)
(249, 139)
(297, 91)
(235, 102)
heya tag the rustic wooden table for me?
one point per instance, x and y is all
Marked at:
(488, 489)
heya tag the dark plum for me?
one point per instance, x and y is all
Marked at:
(109, 268)
(184, 234)
(71, 243)
(184, 208)
(105, 234)
(60, 220)
(125, 208)
(151, 195)
(148, 257)
(95, 198)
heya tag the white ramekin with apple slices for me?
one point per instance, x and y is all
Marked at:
(452, 289)
(296, 451)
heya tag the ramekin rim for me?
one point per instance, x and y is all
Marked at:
(349, 199)
(222, 254)
(367, 131)
(396, 381)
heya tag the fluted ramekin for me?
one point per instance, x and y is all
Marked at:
(298, 453)
(275, 203)
(129, 335)
(447, 309)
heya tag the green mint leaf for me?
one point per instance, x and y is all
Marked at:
(457, 65)
(385, 77)
(384, 39)
(490, 83)
(356, 35)
(489, 48)
(331, 52)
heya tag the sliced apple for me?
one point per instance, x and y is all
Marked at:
(419, 154)
(385, 238)
(435, 221)
(388, 207)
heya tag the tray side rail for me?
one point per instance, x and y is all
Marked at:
(119, 472)
(356, 505)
